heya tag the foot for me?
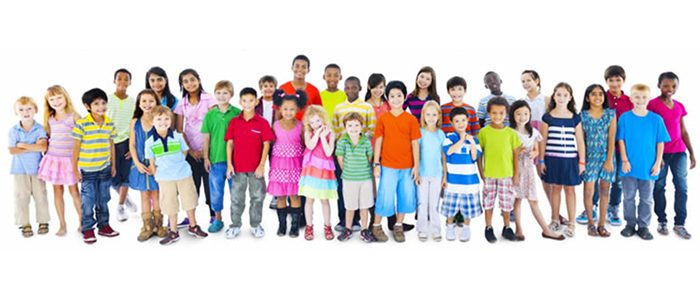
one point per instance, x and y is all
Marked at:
(89, 236)
(422, 236)
(43, 228)
(570, 230)
(107, 231)
(130, 205)
(366, 236)
(592, 230)
(466, 234)
(399, 236)
(644, 233)
(121, 213)
(215, 226)
(437, 237)
(662, 229)
(184, 224)
(309, 232)
(379, 234)
(232, 232)
(602, 232)
(356, 228)
(345, 235)
(61, 231)
(27, 230)
(582, 218)
(628, 231)
(490, 237)
(173, 236)
(554, 226)
(197, 232)
(508, 234)
(257, 231)
(339, 227)
(553, 236)
(450, 233)
(682, 232)
(408, 227)
(613, 218)
(328, 232)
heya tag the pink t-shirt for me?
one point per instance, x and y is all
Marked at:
(672, 119)
(194, 116)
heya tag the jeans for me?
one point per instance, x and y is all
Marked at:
(678, 164)
(217, 182)
(241, 183)
(639, 215)
(122, 164)
(200, 174)
(616, 188)
(94, 196)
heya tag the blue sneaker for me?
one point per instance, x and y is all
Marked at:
(184, 224)
(216, 226)
(614, 219)
(582, 218)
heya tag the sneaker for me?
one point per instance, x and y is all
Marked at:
(422, 236)
(173, 236)
(215, 226)
(258, 231)
(339, 227)
(662, 229)
(130, 205)
(328, 233)
(232, 232)
(437, 237)
(490, 237)
(379, 234)
(582, 218)
(185, 223)
(356, 228)
(89, 237)
(613, 218)
(644, 233)
(399, 236)
(682, 232)
(450, 232)
(345, 235)
(466, 234)
(197, 232)
(628, 231)
(121, 213)
(508, 234)
(366, 236)
(512, 216)
(107, 231)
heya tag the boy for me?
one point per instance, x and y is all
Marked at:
(248, 139)
(462, 151)
(214, 148)
(332, 96)
(27, 142)
(641, 162)
(499, 166)
(166, 151)
(492, 81)
(120, 108)
(675, 158)
(457, 88)
(266, 109)
(300, 67)
(354, 154)
(94, 161)
(397, 146)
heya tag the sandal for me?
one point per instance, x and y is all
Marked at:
(27, 231)
(519, 238)
(603, 232)
(328, 232)
(43, 228)
(309, 232)
(556, 238)
(592, 230)
(569, 230)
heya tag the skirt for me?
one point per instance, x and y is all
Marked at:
(561, 171)
(57, 170)
(141, 182)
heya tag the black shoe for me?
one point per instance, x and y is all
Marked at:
(408, 227)
(345, 235)
(644, 233)
(282, 217)
(490, 237)
(628, 231)
(296, 217)
(508, 234)
(390, 221)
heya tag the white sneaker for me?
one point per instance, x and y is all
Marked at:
(422, 236)
(466, 234)
(258, 231)
(232, 232)
(121, 213)
(437, 236)
(130, 205)
(450, 234)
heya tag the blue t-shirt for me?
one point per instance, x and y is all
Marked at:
(26, 163)
(169, 155)
(641, 134)
(462, 170)
(431, 153)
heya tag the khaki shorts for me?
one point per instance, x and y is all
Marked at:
(358, 194)
(169, 190)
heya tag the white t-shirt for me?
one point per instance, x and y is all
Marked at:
(537, 107)
(267, 111)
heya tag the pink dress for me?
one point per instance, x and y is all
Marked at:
(285, 163)
(57, 165)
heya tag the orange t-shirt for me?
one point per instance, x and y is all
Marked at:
(312, 94)
(397, 133)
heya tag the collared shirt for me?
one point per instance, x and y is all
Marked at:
(620, 104)
(26, 163)
(95, 151)
(359, 106)
(169, 155)
(248, 137)
(121, 111)
(215, 124)
(356, 158)
(194, 116)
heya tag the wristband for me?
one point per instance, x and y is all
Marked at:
(376, 165)
(581, 163)
(541, 161)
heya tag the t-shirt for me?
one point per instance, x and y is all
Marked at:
(415, 104)
(537, 106)
(431, 153)
(312, 94)
(26, 163)
(473, 125)
(483, 114)
(672, 118)
(268, 114)
(248, 137)
(331, 99)
(356, 158)
(397, 133)
(95, 151)
(640, 135)
(169, 155)
(121, 111)
(193, 117)
(621, 104)
(358, 106)
(462, 170)
(215, 124)
(498, 146)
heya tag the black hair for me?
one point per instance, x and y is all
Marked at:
(169, 97)
(586, 103)
(331, 66)
(248, 91)
(458, 111)
(299, 98)
(535, 76)
(90, 96)
(138, 112)
(122, 70)
(196, 75)
(396, 84)
(302, 57)
(490, 73)
(373, 81)
(456, 81)
(354, 78)
(613, 71)
(668, 75)
(572, 104)
(497, 101)
(511, 115)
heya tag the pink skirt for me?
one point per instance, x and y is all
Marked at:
(284, 176)
(57, 170)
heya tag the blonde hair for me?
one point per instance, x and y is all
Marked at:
(26, 100)
(161, 110)
(353, 116)
(224, 84)
(314, 110)
(436, 106)
(49, 112)
(640, 87)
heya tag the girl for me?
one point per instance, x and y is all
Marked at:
(599, 128)
(318, 179)
(57, 165)
(140, 176)
(432, 176)
(425, 90)
(534, 97)
(190, 114)
(375, 95)
(561, 130)
(157, 81)
(520, 116)
(285, 162)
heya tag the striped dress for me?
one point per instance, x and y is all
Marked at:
(561, 152)
(57, 165)
(318, 179)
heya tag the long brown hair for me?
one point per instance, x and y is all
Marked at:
(49, 112)
(432, 89)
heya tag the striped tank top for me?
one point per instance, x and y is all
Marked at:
(60, 140)
(561, 136)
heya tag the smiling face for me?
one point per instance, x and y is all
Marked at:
(147, 102)
(497, 114)
(562, 97)
(353, 128)
(98, 107)
(493, 83)
(57, 102)
(267, 89)
(157, 83)
(596, 98)
(668, 87)
(459, 122)
(25, 112)
(222, 96)
(378, 91)
(190, 83)
(122, 81)
(332, 77)
(396, 99)
(248, 102)
(352, 89)
(529, 82)
(522, 116)
(300, 68)
(615, 83)
(315, 122)
(431, 115)
(162, 122)
(457, 93)
(289, 109)
(423, 80)
(640, 99)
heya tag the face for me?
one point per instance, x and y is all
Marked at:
(497, 114)
(457, 93)
(529, 83)
(522, 116)
(596, 98)
(331, 76)
(424, 80)
(562, 97)
(615, 83)
(122, 81)
(222, 96)
(25, 112)
(378, 91)
(147, 103)
(640, 99)
(459, 122)
(267, 88)
(668, 87)
(315, 122)
(157, 83)
(57, 102)
(431, 116)
(396, 99)
(190, 83)
(97, 107)
(352, 89)
(288, 109)
(493, 83)
(248, 102)
(300, 69)
(162, 122)
(353, 128)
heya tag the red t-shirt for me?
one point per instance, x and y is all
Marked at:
(620, 104)
(248, 138)
(312, 94)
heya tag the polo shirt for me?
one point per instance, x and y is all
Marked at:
(169, 155)
(215, 124)
(356, 158)
(95, 151)
(620, 104)
(248, 137)
(26, 163)
(194, 116)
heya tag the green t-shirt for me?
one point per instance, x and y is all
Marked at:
(355, 158)
(215, 124)
(331, 99)
(498, 146)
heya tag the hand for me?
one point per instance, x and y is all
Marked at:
(114, 171)
(608, 165)
(197, 155)
(207, 165)
(655, 169)
(692, 161)
(541, 169)
(581, 169)
(415, 175)
(516, 179)
(377, 171)
(78, 175)
(444, 183)
(260, 171)
(520, 150)
(127, 155)
(534, 154)
(626, 167)
(229, 172)
(140, 167)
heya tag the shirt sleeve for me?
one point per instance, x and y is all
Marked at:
(415, 129)
(267, 134)
(661, 131)
(473, 120)
(77, 132)
(229, 131)
(179, 108)
(515, 140)
(371, 121)
(205, 124)
(683, 111)
(621, 124)
(478, 148)
(12, 138)
(340, 148)
(370, 152)
(446, 144)
(379, 131)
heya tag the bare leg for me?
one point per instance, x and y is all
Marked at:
(123, 192)
(571, 204)
(555, 201)
(588, 200)
(349, 215)
(309, 212)
(518, 224)
(535, 208)
(364, 218)
(400, 217)
(604, 200)
(489, 217)
(60, 209)
(75, 194)
(326, 207)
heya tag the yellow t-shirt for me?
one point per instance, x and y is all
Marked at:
(331, 99)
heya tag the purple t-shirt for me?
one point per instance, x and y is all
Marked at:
(672, 119)
(194, 116)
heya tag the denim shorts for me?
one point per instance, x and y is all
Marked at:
(397, 192)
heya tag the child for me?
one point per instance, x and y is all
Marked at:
(214, 148)
(120, 108)
(354, 153)
(57, 165)
(396, 157)
(94, 166)
(675, 158)
(599, 128)
(332, 96)
(562, 134)
(27, 142)
(285, 164)
(165, 151)
(537, 102)
(301, 66)
(499, 166)
(190, 114)
(530, 138)
(492, 81)
(157, 81)
(641, 136)
(375, 95)
(457, 88)
(265, 107)
(248, 139)
(432, 175)
(615, 77)
(140, 176)
(318, 179)
(425, 90)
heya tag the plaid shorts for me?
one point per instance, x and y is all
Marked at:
(468, 204)
(502, 189)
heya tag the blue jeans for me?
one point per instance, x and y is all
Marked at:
(637, 214)
(616, 188)
(94, 196)
(217, 182)
(678, 163)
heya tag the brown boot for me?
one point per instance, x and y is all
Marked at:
(158, 228)
(147, 229)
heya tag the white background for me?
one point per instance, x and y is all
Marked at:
(79, 45)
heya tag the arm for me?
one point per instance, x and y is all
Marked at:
(40, 146)
(444, 171)
(377, 154)
(260, 171)
(152, 166)
(516, 165)
(205, 152)
(229, 159)
(415, 148)
(311, 139)
(544, 132)
(686, 140)
(180, 120)
(612, 131)
(113, 160)
(456, 146)
(626, 167)
(659, 159)
(581, 145)
(76, 154)
(132, 148)
(328, 143)
(341, 164)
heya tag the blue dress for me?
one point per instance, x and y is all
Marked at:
(596, 132)
(137, 180)
(561, 153)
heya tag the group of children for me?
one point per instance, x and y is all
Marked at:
(390, 154)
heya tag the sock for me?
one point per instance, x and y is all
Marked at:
(376, 225)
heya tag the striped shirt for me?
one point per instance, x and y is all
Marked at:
(462, 171)
(359, 106)
(169, 155)
(561, 136)
(95, 151)
(483, 114)
(355, 158)
(121, 111)
(415, 105)
(60, 140)
(473, 126)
